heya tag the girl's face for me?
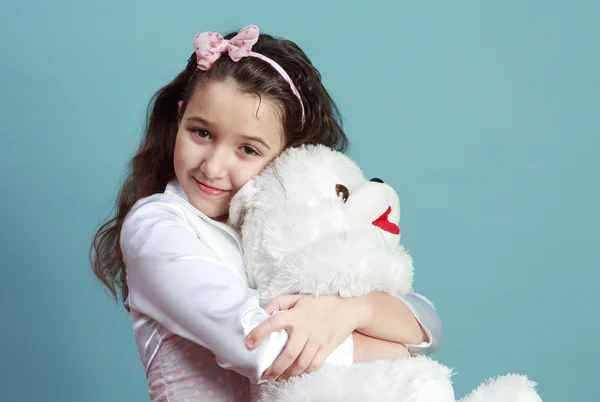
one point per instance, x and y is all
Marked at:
(225, 138)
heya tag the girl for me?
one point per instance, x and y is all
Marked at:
(200, 331)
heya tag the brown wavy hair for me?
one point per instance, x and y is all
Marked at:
(152, 166)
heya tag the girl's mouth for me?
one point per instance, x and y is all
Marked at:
(214, 191)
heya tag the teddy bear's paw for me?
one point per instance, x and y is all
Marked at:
(508, 388)
(427, 381)
(431, 389)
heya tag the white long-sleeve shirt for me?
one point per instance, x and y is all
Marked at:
(186, 277)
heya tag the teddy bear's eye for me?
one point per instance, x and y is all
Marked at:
(342, 192)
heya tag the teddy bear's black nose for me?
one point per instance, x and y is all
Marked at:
(377, 180)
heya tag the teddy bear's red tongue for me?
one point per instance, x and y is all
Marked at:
(383, 223)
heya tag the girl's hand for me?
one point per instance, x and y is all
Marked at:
(316, 327)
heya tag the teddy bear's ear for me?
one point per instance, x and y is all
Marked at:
(240, 203)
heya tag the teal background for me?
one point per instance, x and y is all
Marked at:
(483, 115)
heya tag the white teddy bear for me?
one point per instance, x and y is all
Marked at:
(311, 223)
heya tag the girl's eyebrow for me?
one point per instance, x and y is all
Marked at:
(198, 120)
(257, 139)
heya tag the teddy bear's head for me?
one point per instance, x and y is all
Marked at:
(311, 223)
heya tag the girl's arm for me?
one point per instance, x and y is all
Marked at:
(176, 280)
(411, 320)
(391, 325)
(368, 349)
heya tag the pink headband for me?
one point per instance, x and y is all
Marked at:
(210, 45)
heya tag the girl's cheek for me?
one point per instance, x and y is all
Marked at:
(241, 175)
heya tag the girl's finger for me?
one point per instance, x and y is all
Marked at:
(283, 303)
(303, 361)
(291, 352)
(319, 359)
(272, 324)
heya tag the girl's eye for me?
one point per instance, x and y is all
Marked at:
(342, 192)
(202, 133)
(249, 150)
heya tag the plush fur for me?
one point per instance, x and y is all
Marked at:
(407, 380)
(311, 223)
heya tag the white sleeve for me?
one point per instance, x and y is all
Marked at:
(176, 280)
(426, 314)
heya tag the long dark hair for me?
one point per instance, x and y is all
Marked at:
(152, 166)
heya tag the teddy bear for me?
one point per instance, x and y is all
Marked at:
(311, 223)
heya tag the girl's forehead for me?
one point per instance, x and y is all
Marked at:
(224, 99)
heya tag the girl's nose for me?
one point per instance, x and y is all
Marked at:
(214, 166)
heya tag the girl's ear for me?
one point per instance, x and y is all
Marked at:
(179, 116)
(241, 203)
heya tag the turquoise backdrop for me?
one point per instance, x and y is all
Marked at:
(484, 115)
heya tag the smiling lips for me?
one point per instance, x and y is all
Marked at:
(210, 190)
(383, 223)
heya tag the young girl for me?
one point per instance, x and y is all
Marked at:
(200, 331)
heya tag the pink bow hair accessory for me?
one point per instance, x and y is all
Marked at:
(210, 46)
